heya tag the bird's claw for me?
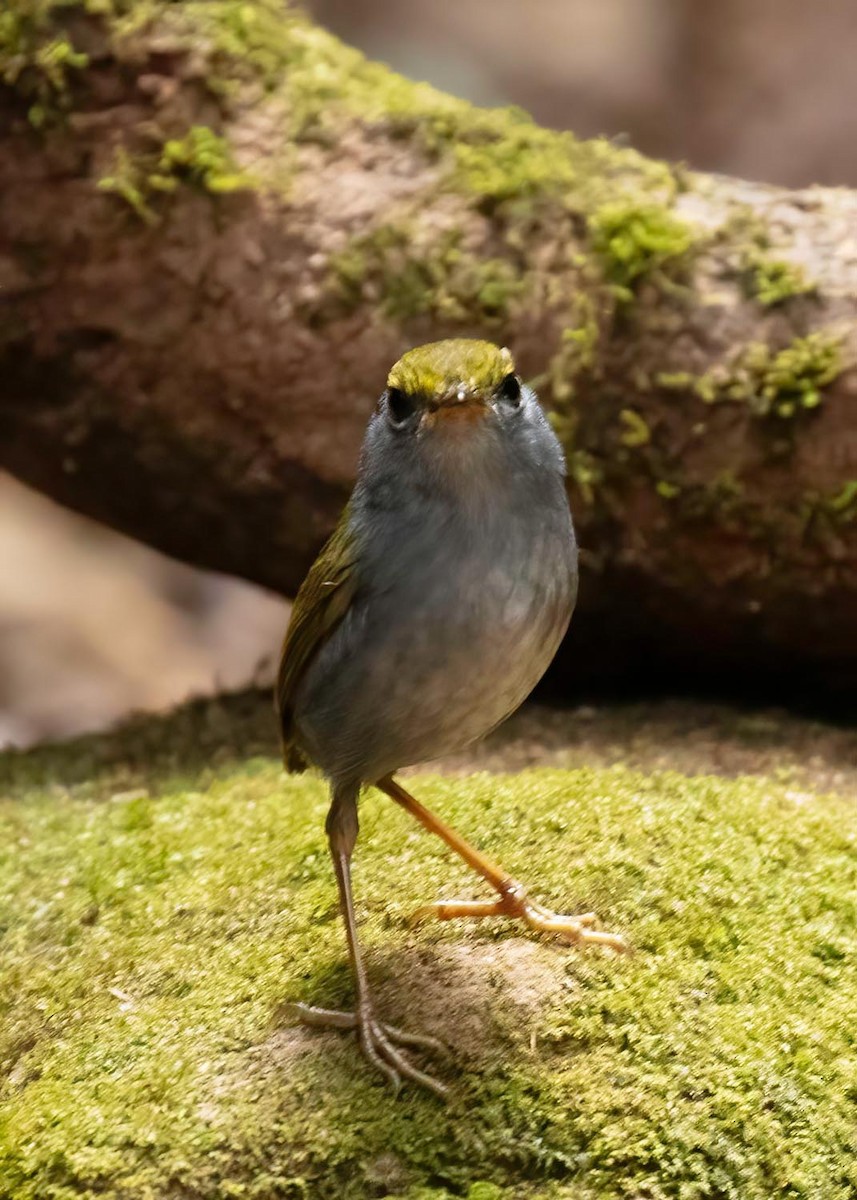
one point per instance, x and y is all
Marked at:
(379, 1042)
(578, 930)
(514, 902)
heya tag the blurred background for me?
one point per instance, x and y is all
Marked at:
(765, 89)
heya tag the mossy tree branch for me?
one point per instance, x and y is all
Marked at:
(218, 227)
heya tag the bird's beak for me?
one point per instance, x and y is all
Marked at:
(459, 407)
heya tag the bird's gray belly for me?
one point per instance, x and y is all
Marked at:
(426, 666)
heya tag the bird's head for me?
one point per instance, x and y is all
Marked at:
(447, 387)
(456, 415)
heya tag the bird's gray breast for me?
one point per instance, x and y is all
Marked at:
(458, 614)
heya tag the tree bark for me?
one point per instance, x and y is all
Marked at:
(219, 227)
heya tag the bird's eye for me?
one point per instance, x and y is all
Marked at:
(509, 391)
(400, 406)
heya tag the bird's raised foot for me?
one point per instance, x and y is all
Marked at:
(514, 902)
(379, 1043)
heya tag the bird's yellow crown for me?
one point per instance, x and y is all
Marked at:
(439, 368)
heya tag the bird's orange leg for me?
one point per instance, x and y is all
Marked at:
(513, 899)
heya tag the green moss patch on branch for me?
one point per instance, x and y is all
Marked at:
(389, 266)
(780, 383)
(766, 277)
(823, 515)
(773, 281)
(497, 162)
(156, 922)
(201, 158)
(636, 240)
(38, 61)
(792, 380)
(498, 155)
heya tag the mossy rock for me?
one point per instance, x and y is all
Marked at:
(160, 914)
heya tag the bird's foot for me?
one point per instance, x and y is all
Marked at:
(379, 1042)
(514, 902)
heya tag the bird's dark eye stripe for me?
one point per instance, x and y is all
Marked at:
(400, 405)
(510, 390)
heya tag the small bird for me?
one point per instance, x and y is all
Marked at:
(427, 618)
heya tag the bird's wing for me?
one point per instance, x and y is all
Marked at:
(321, 603)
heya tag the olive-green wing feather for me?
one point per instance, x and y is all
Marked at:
(320, 605)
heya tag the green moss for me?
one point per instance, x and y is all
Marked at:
(773, 281)
(324, 81)
(721, 501)
(496, 161)
(636, 240)
(508, 163)
(675, 381)
(130, 180)
(155, 922)
(204, 158)
(575, 360)
(667, 490)
(586, 472)
(507, 157)
(772, 383)
(484, 1191)
(201, 158)
(636, 432)
(407, 279)
(498, 156)
(844, 502)
(37, 60)
(576, 356)
(786, 382)
(724, 498)
(823, 514)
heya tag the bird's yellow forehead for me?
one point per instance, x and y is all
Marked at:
(442, 367)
